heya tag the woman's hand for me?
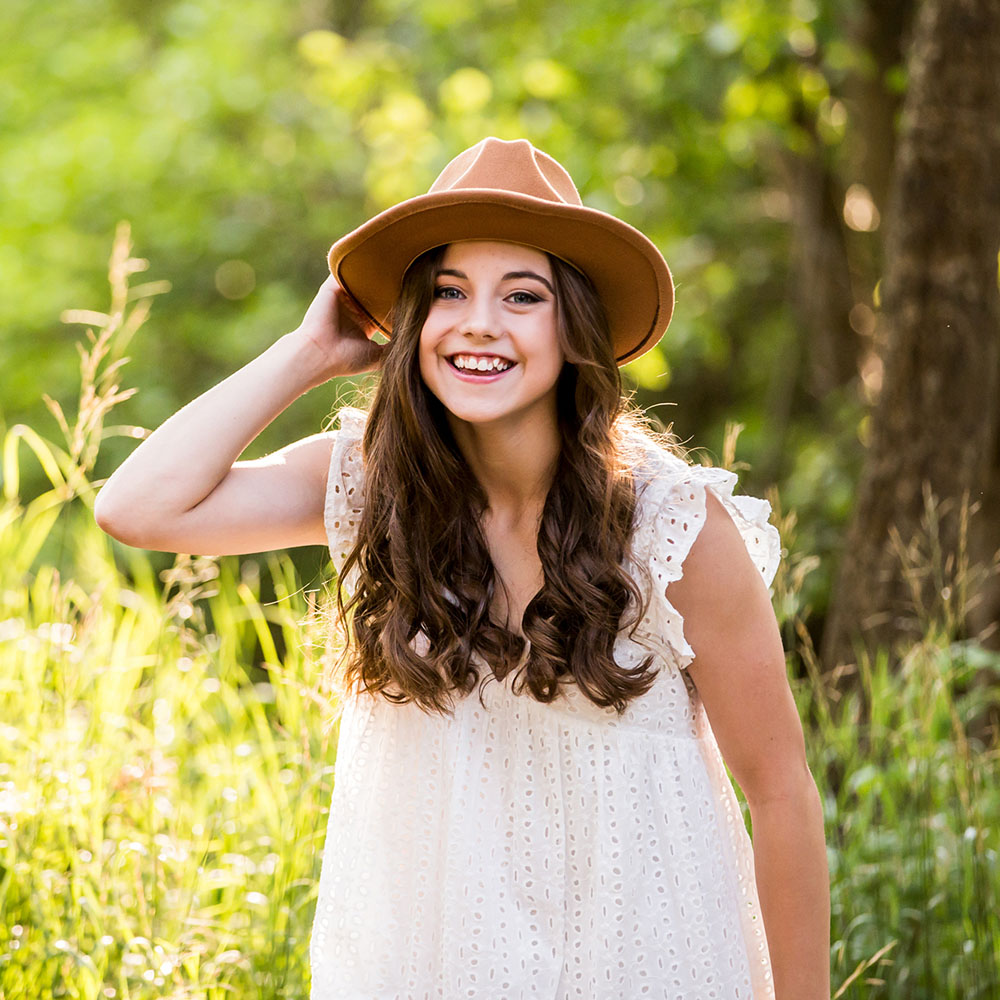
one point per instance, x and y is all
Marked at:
(339, 334)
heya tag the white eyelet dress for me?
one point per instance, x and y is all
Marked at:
(554, 851)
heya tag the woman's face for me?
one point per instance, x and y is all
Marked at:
(493, 301)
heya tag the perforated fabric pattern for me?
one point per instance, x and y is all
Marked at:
(345, 487)
(676, 508)
(530, 850)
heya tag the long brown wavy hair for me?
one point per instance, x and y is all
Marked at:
(422, 558)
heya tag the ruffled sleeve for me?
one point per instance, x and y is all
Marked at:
(345, 485)
(674, 510)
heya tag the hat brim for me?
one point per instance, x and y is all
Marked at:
(627, 270)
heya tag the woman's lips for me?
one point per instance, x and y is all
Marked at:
(466, 376)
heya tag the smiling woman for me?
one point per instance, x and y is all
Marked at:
(558, 630)
(496, 299)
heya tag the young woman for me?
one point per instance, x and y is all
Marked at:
(560, 630)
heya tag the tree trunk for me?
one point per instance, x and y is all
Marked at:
(880, 28)
(984, 616)
(933, 428)
(822, 292)
(831, 269)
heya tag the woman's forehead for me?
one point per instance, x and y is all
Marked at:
(495, 252)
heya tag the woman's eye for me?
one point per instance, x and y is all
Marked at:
(441, 292)
(524, 298)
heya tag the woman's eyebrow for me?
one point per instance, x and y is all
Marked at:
(528, 274)
(510, 275)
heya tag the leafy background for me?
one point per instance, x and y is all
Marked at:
(242, 141)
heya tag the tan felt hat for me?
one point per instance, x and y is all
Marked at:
(513, 192)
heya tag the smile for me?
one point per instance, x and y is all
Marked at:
(493, 373)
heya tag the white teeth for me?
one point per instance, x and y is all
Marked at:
(482, 364)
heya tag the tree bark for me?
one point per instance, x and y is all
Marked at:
(880, 28)
(933, 429)
(984, 615)
(822, 291)
(831, 269)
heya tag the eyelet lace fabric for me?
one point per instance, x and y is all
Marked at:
(552, 851)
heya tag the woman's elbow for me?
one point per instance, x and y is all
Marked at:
(115, 519)
(793, 784)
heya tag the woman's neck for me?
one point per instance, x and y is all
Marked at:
(514, 463)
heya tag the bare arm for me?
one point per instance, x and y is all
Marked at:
(739, 671)
(182, 489)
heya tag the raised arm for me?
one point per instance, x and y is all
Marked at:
(739, 671)
(182, 489)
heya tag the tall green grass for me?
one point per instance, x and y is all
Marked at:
(166, 751)
(906, 754)
(161, 815)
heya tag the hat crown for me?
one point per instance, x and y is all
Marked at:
(515, 166)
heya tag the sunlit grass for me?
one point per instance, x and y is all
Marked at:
(166, 759)
(161, 815)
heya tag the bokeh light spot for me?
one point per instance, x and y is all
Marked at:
(235, 279)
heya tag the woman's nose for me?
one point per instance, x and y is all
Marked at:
(480, 316)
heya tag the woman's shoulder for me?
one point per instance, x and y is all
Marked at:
(654, 460)
(346, 455)
(345, 485)
(351, 421)
(673, 507)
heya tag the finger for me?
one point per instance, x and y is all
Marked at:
(374, 354)
(325, 299)
(353, 312)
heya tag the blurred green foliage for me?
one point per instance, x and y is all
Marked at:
(242, 140)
